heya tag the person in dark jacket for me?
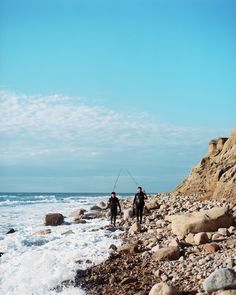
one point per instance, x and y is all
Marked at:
(113, 203)
(138, 203)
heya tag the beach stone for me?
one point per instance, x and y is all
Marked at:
(102, 205)
(162, 289)
(113, 247)
(78, 213)
(135, 228)
(155, 248)
(168, 253)
(92, 215)
(211, 248)
(221, 279)
(128, 214)
(227, 292)
(1, 253)
(80, 221)
(217, 236)
(189, 238)
(201, 221)
(54, 219)
(43, 232)
(231, 229)
(201, 238)
(95, 208)
(128, 248)
(151, 205)
(223, 231)
(11, 231)
(174, 243)
(68, 232)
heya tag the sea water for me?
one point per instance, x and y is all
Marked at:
(35, 264)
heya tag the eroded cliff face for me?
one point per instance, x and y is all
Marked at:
(215, 176)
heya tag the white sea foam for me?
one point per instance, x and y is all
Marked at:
(34, 264)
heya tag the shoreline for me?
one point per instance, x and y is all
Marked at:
(131, 269)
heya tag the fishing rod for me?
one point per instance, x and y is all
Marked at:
(132, 177)
(114, 187)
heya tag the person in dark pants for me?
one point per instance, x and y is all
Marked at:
(113, 203)
(138, 203)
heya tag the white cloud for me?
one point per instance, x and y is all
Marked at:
(32, 126)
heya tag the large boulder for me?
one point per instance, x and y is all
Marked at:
(54, 219)
(151, 205)
(162, 289)
(202, 221)
(221, 279)
(167, 253)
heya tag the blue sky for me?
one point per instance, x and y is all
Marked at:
(89, 87)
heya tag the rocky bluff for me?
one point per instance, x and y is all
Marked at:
(215, 176)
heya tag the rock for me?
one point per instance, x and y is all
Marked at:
(201, 238)
(214, 177)
(128, 248)
(113, 247)
(68, 232)
(201, 221)
(217, 236)
(168, 253)
(190, 238)
(151, 205)
(78, 213)
(54, 219)
(92, 215)
(128, 280)
(102, 205)
(227, 292)
(221, 279)
(95, 208)
(231, 229)
(80, 221)
(128, 214)
(223, 231)
(43, 232)
(11, 231)
(155, 248)
(135, 228)
(162, 289)
(174, 243)
(211, 248)
(1, 253)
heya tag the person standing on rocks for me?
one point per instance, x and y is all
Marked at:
(138, 203)
(113, 203)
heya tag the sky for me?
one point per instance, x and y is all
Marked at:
(89, 87)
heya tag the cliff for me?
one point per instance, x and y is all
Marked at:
(215, 176)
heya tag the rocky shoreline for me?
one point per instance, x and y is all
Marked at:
(168, 253)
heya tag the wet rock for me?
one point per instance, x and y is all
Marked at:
(168, 253)
(68, 232)
(54, 219)
(11, 231)
(78, 213)
(162, 289)
(80, 221)
(92, 215)
(221, 279)
(1, 253)
(43, 232)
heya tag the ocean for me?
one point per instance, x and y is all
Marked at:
(35, 264)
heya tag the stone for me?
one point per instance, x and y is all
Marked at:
(201, 221)
(43, 232)
(211, 248)
(221, 279)
(231, 229)
(54, 219)
(113, 247)
(151, 205)
(102, 205)
(68, 232)
(78, 213)
(201, 238)
(128, 280)
(128, 214)
(95, 208)
(223, 231)
(92, 215)
(217, 236)
(227, 292)
(128, 248)
(174, 243)
(189, 238)
(11, 231)
(162, 289)
(168, 253)
(135, 228)
(155, 248)
(80, 221)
